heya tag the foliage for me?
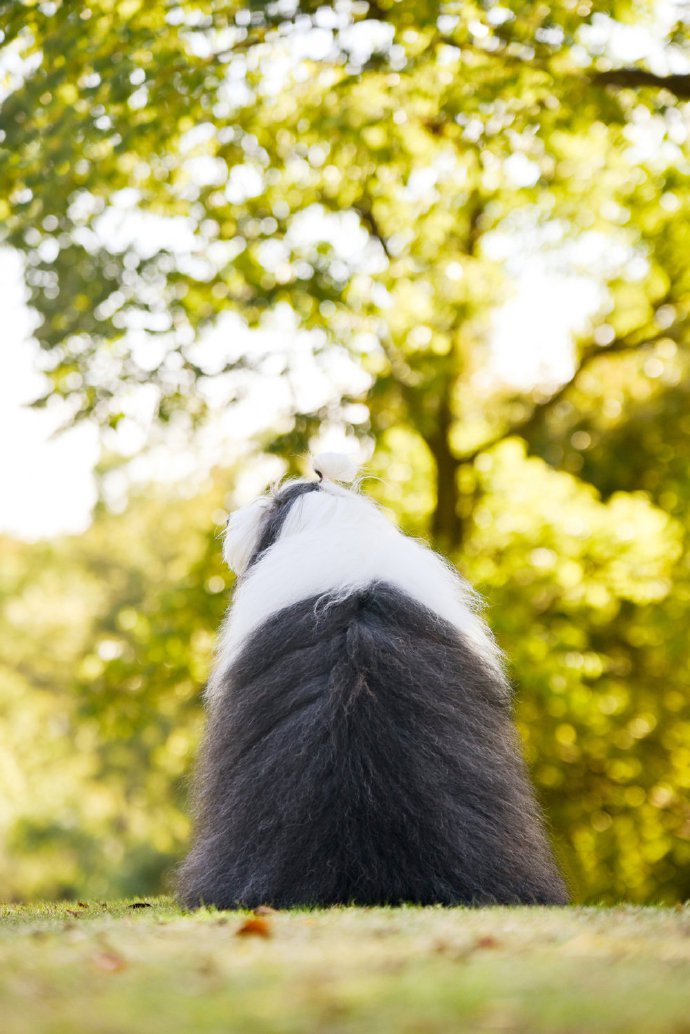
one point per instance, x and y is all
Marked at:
(350, 161)
(580, 598)
(102, 721)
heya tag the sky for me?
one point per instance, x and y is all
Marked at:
(46, 486)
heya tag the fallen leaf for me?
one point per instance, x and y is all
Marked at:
(453, 950)
(487, 941)
(109, 962)
(255, 926)
(141, 904)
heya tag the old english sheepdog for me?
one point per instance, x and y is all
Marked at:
(360, 746)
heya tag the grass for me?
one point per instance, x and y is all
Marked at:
(113, 968)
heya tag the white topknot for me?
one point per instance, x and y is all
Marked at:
(335, 466)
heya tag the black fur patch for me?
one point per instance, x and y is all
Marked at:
(272, 524)
(362, 753)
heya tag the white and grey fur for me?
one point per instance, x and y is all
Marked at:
(360, 745)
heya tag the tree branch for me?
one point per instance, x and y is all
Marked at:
(540, 409)
(636, 77)
(676, 83)
(366, 214)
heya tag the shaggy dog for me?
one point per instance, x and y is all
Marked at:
(359, 746)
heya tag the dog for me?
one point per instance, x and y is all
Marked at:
(360, 747)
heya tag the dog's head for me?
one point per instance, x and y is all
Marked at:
(296, 506)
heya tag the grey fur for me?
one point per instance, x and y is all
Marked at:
(362, 752)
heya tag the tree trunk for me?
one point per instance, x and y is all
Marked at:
(446, 523)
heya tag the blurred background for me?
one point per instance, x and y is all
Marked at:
(450, 237)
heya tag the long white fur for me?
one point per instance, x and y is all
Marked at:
(333, 542)
(242, 533)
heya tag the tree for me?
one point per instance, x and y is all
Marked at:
(416, 130)
(106, 643)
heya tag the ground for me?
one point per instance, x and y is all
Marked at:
(148, 967)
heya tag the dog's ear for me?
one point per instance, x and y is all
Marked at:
(242, 534)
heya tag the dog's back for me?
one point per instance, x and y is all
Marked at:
(360, 750)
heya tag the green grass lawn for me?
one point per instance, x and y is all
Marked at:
(97, 968)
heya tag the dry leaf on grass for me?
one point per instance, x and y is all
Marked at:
(453, 950)
(256, 926)
(109, 962)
